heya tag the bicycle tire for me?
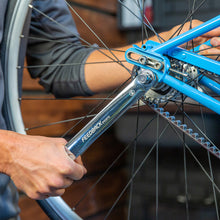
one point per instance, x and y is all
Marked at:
(14, 28)
(18, 18)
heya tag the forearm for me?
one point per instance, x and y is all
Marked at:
(7, 138)
(108, 75)
(102, 74)
(60, 59)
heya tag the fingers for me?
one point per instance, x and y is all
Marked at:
(201, 39)
(213, 33)
(81, 171)
(75, 171)
(41, 196)
(215, 41)
(69, 153)
(210, 52)
(78, 166)
(72, 156)
(56, 187)
(57, 192)
(79, 160)
(44, 167)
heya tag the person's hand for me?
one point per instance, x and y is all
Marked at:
(214, 35)
(213, 51)
(41, 166)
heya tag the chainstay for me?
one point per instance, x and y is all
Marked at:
(200, 139)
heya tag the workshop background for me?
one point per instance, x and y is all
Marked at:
(107, 19)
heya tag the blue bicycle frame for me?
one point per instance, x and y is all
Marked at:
(138, 87)
(169, 48)
(142, 83)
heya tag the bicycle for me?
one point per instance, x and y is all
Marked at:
(163, 73)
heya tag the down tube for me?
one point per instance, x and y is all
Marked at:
(193, 93)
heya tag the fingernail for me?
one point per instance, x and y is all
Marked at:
(215, 42)
(202, 47)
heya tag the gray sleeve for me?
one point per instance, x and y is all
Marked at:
(61, 56)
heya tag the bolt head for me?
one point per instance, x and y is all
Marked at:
(132, 92)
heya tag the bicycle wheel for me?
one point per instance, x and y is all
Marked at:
(191, 113)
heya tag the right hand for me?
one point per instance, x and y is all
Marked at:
(41, 166)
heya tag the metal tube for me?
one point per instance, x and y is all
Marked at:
(103, 120)
(193, 93)
(187, 36)
(211, 84)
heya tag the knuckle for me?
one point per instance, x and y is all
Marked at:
(33, 195)
(79, 176)
(61, 142)
(60, 192)
(66, 169)
(44, 190)
(58, 182)
(78, 173)
(41, 186)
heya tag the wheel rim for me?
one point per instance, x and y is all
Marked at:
(18, 126)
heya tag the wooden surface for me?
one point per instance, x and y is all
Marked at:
(100, 16)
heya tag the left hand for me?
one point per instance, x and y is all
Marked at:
(211, 35)
(211, 52)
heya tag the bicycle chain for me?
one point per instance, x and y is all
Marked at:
(161, 92)
(201, 140)
(184, 72)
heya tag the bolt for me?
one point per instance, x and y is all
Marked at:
(132, 92)
(142, 78)
(143, 60)
(184, 56)
(158, 65)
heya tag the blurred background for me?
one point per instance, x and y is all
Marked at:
(112, 23)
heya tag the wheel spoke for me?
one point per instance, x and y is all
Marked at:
(179, 104)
